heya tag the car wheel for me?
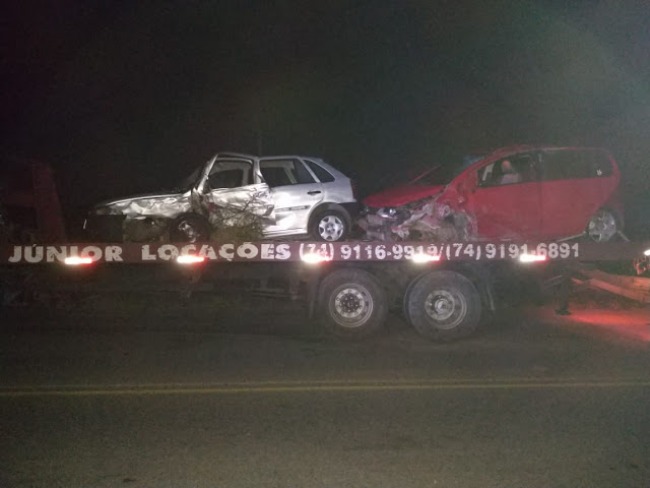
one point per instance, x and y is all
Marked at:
(330, 226)
(352, 304)
(602, 227)
(443, 306)
(189, 228)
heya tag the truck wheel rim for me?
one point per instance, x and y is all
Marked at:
(447, 309)
(330, 228)
(351, 306)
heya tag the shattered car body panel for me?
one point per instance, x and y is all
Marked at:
(236, 206)
(168, 205)
(519, 192)
(276, 194)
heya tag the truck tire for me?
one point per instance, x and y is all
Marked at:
(443, 306)
(352, 304)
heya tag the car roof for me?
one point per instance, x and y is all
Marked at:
(514, 149)
(253, 157)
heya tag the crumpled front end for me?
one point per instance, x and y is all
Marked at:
(428, 219)
(140, 218)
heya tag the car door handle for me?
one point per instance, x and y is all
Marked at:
(314, 192)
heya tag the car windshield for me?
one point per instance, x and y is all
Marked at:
(187, 182)
(441, 174)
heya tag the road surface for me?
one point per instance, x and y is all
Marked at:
(150, 393)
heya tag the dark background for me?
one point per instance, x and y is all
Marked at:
(128, 96)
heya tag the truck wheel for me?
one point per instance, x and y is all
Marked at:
(443, 306)
(352, 304)
(189, 228)
(329, 226)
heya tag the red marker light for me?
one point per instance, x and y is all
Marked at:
(190, 259)
(77, 260)
(531, 258)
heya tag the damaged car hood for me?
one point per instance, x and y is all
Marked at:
(167, 204)
(401, 195)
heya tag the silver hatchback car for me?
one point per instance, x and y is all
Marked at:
(288, 195)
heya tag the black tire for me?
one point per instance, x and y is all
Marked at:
(330, 226)
(443, 306)
(189, 228)
(351, 304)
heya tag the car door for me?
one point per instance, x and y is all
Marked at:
(506, 203)
(231, 193)
(294, 191)
(575, 184)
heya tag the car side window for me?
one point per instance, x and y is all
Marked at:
(229, 174)
(565, 164)
(520, 168)
(285, 172)
(321, 173)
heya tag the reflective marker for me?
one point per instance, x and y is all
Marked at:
(77, 261)
(646, 252)
(531, 258)
(424, 258)
(190, 259)
(314, 258)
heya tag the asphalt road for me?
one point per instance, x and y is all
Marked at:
(148, 393)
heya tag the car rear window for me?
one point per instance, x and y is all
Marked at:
(284, 172)
(572, 164)
(321, 173)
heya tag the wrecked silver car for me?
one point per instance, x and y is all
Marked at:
(513, 193)
(276, 196)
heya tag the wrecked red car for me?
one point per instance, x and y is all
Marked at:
(512, 193)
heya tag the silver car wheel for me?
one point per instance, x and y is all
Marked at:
(189, 228)
(331, 227)
(188, 231)
(602, 226)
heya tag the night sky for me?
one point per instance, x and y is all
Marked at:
(130, 96)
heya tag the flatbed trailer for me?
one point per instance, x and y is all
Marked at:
(443, 289)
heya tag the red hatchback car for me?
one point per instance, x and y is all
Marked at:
(512, 193)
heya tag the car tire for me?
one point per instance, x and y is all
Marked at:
(602, 226)
(189, 228)
(352, 304)
(443, 306)
(330, 226)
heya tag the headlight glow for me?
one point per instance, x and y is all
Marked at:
(387, 212)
